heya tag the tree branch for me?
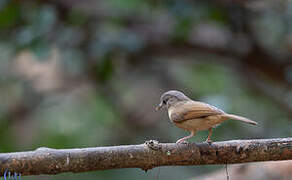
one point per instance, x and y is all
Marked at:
(144, 156)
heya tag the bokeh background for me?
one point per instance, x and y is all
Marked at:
(90, 73)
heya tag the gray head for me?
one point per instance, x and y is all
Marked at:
(171, 97)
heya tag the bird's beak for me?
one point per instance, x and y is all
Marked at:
(159, 106)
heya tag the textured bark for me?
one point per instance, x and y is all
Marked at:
(144, 156)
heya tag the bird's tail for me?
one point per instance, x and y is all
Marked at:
(240, 118)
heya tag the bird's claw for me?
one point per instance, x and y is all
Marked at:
(209, 141)
(181, 141)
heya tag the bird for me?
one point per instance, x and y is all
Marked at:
(194, 116)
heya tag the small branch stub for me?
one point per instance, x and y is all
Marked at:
(153, 144)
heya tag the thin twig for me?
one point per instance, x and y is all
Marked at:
(226, 170)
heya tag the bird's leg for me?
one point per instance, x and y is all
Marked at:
(208, 140)
(183, 140)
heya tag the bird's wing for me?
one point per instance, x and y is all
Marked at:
(193, 110)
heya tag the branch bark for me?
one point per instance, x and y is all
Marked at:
(145, 156)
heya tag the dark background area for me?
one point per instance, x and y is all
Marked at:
(90, 73)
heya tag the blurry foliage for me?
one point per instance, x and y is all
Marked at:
(9, 15)
(105, 69)
(90, 73)
(90, 117)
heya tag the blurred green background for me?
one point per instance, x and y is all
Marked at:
(90, 73)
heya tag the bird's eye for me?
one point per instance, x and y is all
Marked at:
(164, 102)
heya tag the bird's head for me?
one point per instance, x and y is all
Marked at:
(169, 98)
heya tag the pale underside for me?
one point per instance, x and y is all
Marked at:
(200, 124)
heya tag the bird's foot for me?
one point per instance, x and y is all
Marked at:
(209, 141)
(181, 141)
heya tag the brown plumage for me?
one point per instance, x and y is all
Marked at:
(194, 116)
